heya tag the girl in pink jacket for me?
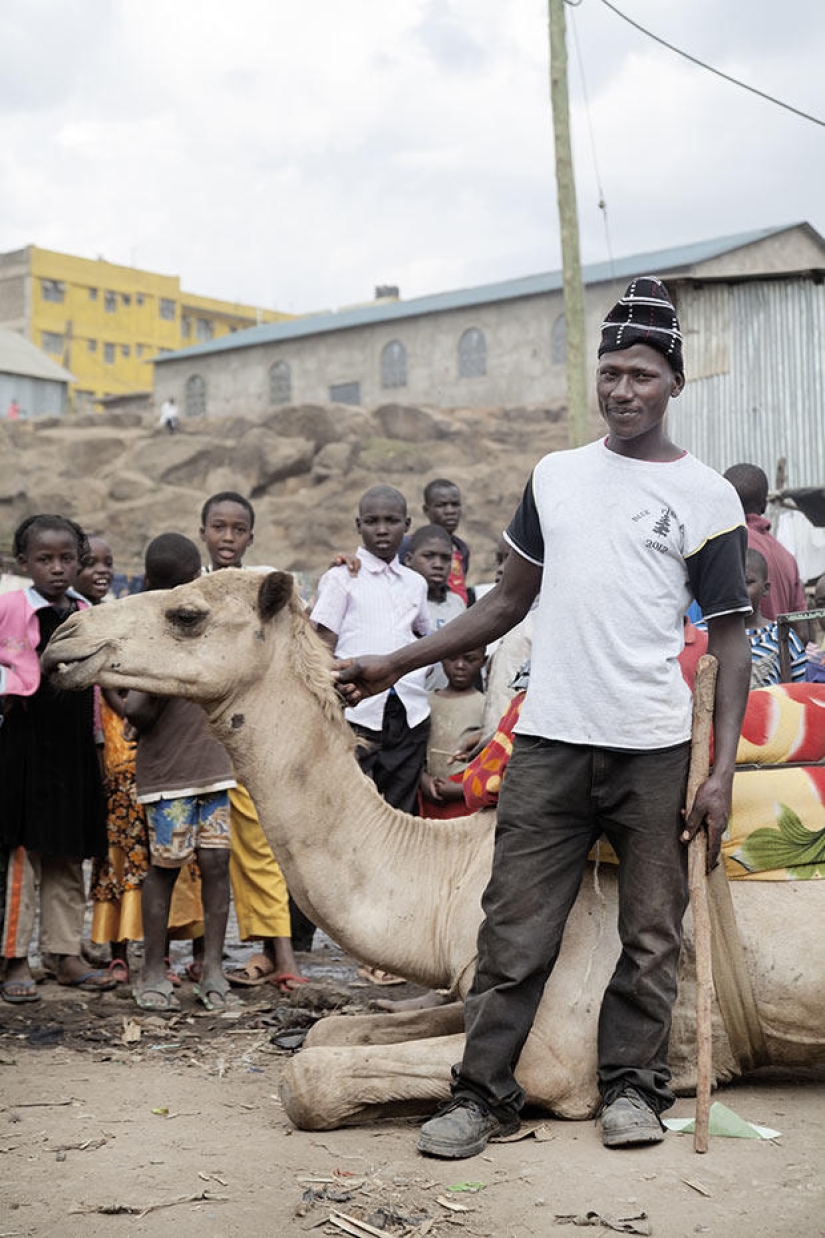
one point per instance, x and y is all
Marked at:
(53, 813)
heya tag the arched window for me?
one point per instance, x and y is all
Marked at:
(472, 354)
(558, 343)
(394, 364)
(280, 383)
(195, 396)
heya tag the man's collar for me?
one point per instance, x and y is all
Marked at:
(760, 523)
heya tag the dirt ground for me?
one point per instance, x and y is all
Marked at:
(115, 1123)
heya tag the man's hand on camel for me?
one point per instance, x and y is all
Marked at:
(356, 678)
(711, 811)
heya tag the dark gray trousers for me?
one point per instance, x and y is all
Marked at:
(556, 800)
(394, 756)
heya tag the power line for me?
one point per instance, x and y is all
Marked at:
(602, 200)
(702, 65)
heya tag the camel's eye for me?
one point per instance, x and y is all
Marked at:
(187, 619)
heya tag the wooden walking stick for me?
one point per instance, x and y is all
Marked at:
(704, 691)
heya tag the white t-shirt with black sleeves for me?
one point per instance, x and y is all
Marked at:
(625, 546)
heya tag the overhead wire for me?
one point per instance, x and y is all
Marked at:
(816, 120)
(600, 190)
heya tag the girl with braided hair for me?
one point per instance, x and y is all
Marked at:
(53, 812)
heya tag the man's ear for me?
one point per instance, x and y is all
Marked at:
(678, 385)
(274, 593)
(251, 539)
(407, 523)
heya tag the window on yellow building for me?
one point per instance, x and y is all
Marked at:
(195, 396)
(52, 342)
(91, 345)
(109, 354)
(125, 350)
(204, 330)
(139, 298)
(92, 294)
(280, 383)
(110, 302)
(52, 289)
(126, 298)
(186, 327)
(138, 350)
(166, 309)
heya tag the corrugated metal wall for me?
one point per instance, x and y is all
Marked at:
(755, 355)
(37, 397)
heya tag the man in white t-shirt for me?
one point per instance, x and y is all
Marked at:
(603, 739)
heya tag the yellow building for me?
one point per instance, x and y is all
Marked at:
(105, 322)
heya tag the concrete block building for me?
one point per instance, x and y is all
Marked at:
(498, 344)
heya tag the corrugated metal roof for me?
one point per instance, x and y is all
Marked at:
(659, 262)
(20, 356)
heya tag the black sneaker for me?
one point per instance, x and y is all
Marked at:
(629, 1120)
(462, 1128)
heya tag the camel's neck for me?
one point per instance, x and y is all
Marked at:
(378, 881)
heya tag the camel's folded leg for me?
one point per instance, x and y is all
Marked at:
(336, 1086)
(387, 1029)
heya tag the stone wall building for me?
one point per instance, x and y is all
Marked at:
(498, 344)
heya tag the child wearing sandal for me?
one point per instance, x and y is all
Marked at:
(262, 906)
(183, 778)
(116, 879)
(53, 814)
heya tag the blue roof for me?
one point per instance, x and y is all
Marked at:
(659, 262)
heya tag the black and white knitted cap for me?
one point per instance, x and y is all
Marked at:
(644, 315)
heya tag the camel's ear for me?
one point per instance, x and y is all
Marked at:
(274, 593)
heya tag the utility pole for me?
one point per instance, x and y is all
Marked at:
(577, 403)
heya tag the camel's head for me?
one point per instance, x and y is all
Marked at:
(203, 640)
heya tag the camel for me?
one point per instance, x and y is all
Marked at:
(399, 892)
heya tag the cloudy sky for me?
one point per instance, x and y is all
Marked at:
(294, 153)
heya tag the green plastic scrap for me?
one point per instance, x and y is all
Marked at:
(724, 1122)
(471, 1187)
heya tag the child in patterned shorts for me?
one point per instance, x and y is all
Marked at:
(183, 778)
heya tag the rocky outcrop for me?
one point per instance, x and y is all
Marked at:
(305, 466)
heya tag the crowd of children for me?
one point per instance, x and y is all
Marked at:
(137, 785)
